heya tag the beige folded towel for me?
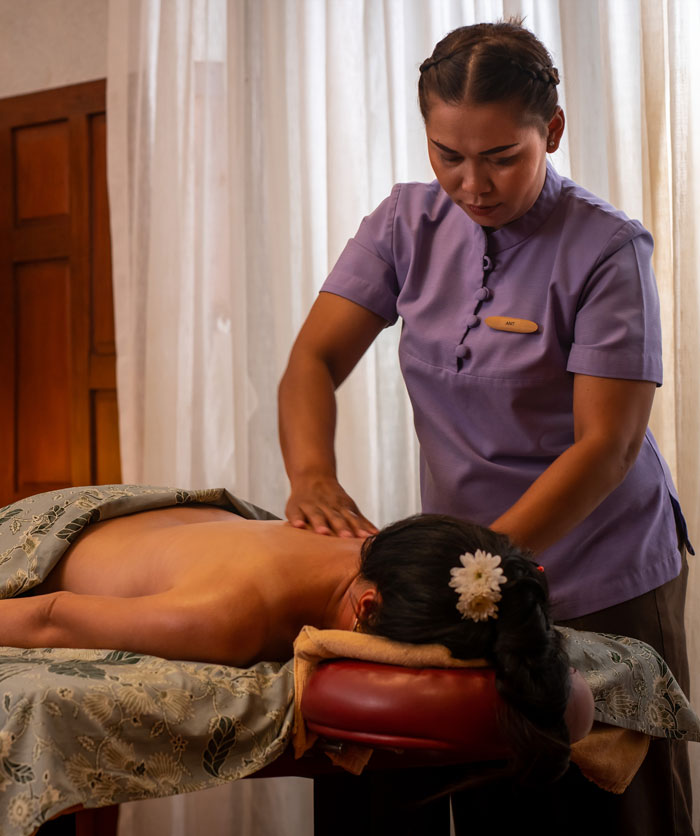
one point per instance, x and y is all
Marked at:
(608, 756)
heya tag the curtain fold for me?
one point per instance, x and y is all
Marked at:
(682, 299)
(246, 140)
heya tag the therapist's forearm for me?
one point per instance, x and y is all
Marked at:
(307, 419)
(569, 490)
(335, 335)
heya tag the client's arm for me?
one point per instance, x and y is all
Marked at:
(160, 625)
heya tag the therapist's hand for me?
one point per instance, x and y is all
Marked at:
(321, 504)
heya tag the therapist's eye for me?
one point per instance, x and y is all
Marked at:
(505, 161)
(450, 159)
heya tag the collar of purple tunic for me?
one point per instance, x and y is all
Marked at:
(522, 228)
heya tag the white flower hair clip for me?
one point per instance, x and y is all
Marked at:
(477, 582)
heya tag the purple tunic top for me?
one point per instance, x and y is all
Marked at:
(493, 408)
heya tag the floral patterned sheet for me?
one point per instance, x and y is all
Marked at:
(632, 686)
(98, 727)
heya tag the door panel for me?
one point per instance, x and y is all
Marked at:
(58, 419)
(42, 167)
(43, 374)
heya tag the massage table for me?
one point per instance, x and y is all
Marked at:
(92, 728)
(418, 722)
(424, 726)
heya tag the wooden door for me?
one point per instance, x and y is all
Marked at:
(58, 407)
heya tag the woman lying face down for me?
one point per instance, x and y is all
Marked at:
(203, 584)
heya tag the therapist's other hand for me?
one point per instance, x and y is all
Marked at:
(321, 504)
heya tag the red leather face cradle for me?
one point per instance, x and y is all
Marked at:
(452, 710)
(415, 708)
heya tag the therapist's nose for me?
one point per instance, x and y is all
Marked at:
(475, 181)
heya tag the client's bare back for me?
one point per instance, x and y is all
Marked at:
(189, 583)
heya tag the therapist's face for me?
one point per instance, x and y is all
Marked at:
(489, 160)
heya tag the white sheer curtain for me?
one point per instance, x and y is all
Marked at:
(246, 140)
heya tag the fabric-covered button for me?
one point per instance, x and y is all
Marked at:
(461, 351)
(482, 294)
(473, 321)
(488, 264)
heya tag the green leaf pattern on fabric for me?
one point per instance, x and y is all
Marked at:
(221, 742)
(632, 685)
(87, 727)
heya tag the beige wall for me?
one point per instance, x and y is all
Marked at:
(51, 43)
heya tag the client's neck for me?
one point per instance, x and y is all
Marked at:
(342, 595)
(325, 595)
(340, 612)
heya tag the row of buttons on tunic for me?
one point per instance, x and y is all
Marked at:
(483, 294)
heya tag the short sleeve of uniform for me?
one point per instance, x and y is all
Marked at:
(365, 271)
(618, 327)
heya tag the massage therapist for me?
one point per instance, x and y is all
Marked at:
(531, 351)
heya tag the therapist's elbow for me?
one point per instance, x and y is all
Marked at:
(625, 461)
(618, 455)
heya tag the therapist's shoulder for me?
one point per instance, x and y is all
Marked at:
(607, 226)
(423, 201)
(412, 213)
(412, 203)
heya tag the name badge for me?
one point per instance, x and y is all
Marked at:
(511, 323)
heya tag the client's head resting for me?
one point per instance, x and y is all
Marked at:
(492, 609)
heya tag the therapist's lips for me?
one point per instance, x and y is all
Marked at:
(480, 211)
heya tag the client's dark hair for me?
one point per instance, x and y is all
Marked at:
(410, 563)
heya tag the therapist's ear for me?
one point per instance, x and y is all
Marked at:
(555, 129)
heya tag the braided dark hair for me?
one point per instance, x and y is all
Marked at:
(491, 62)
(410, 563)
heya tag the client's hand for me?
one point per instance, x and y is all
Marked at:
(321, 504)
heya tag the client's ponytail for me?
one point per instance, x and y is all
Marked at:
(532, 674)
